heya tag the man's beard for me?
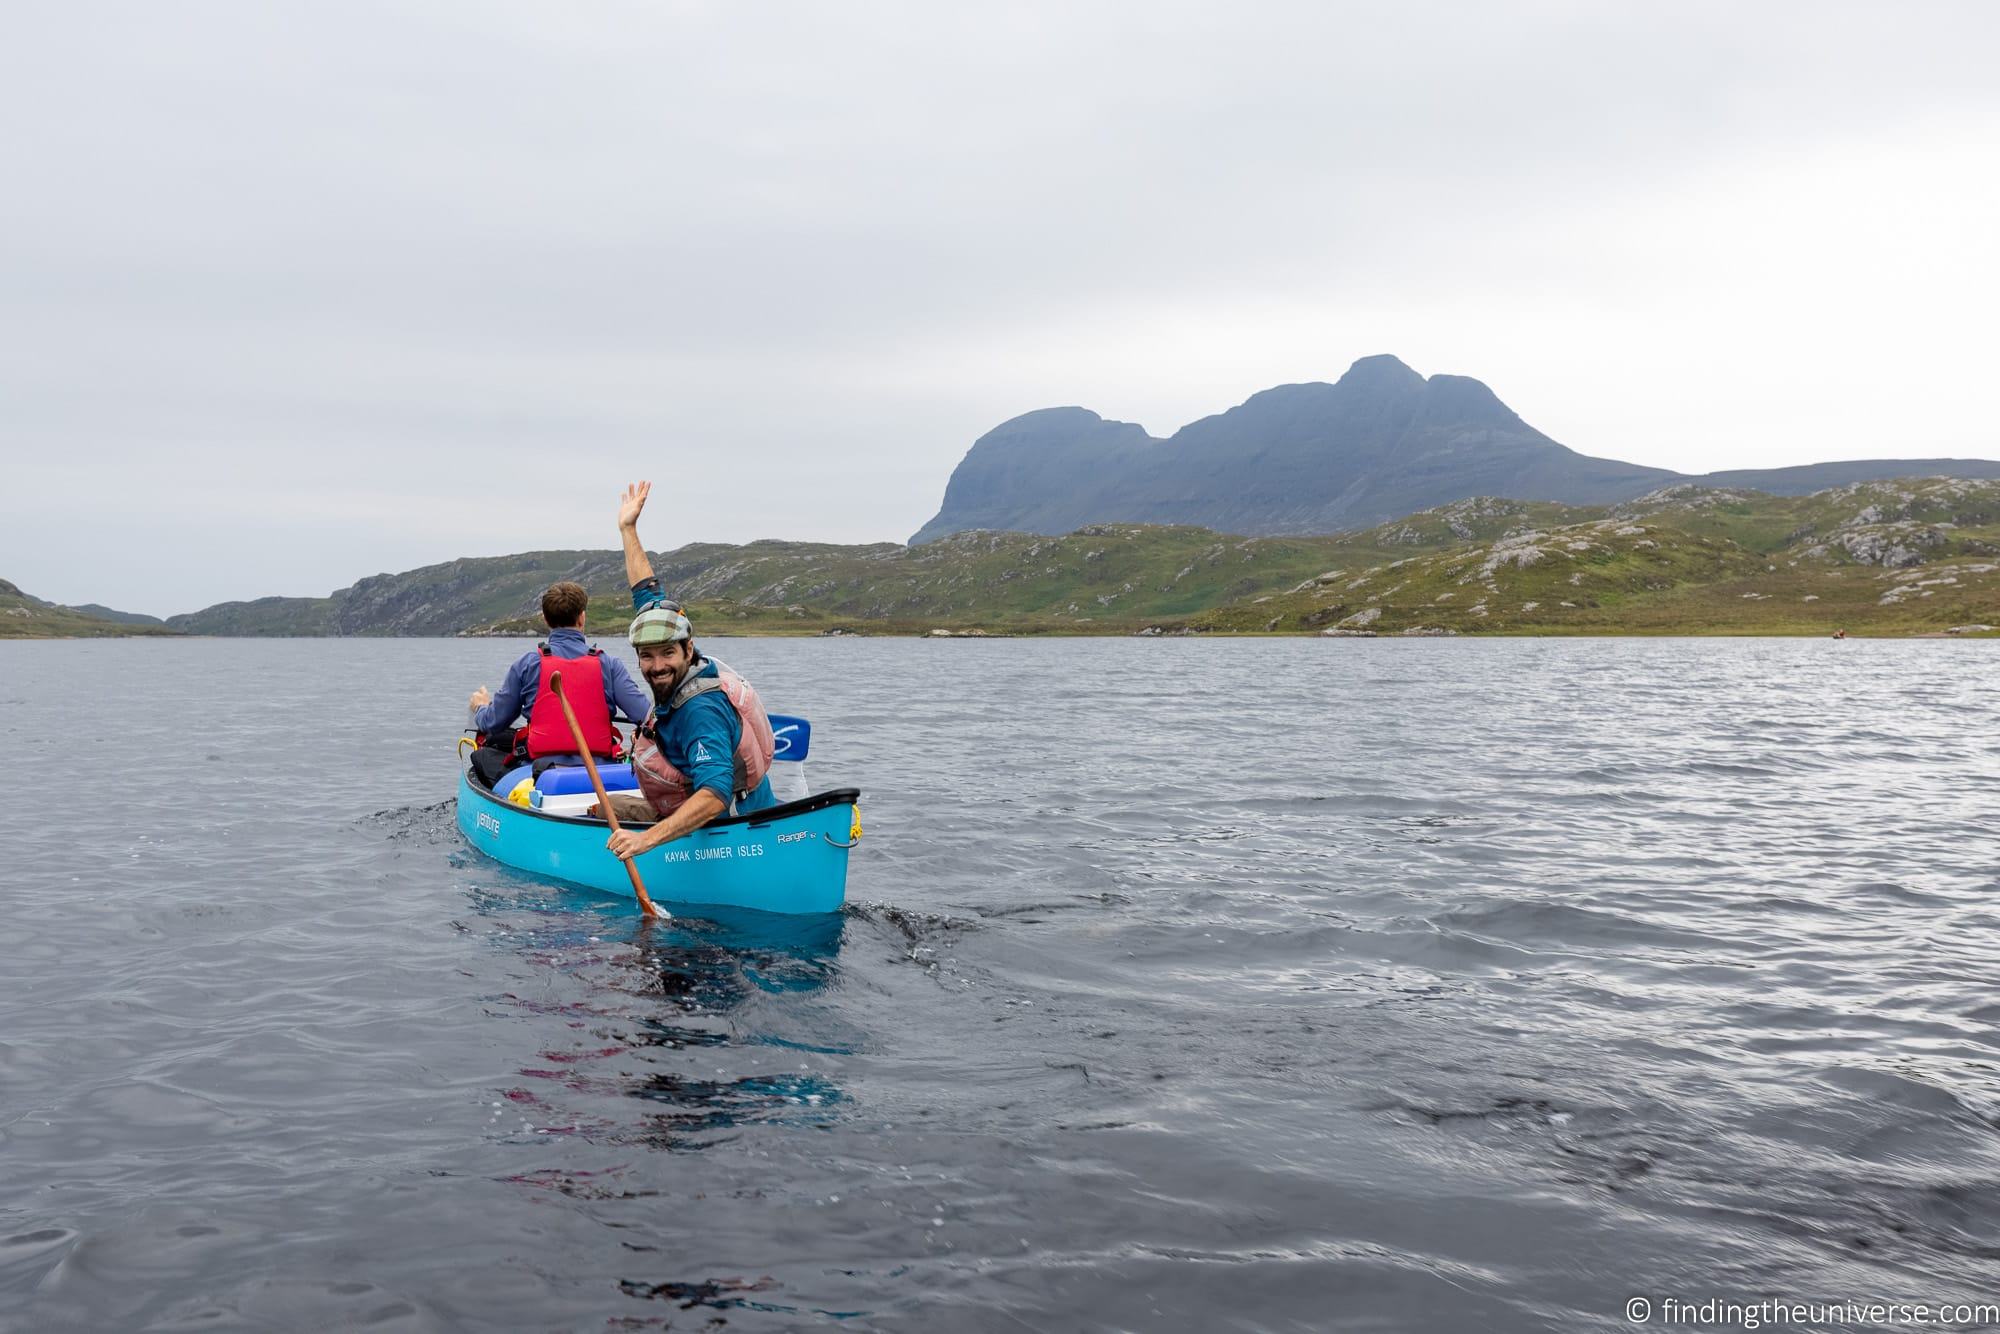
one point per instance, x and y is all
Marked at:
(663, 689)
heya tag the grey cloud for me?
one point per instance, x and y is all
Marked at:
(417, 250)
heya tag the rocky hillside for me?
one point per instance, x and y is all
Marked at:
(264, 617)
(1098, 574)
(1898, 558)
(23, 616)
(1315, 458)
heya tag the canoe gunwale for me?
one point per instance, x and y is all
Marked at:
(839, 796)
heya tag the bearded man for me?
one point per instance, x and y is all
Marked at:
(705, 749)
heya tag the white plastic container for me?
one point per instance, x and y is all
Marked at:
(568, 803)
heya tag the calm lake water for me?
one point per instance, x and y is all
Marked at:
(1205, 986)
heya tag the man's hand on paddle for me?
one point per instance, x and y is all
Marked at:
(625, 845)
(633, 502)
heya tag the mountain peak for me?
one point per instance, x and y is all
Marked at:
(1462, 398)
(1381, 368)
(1048, 419)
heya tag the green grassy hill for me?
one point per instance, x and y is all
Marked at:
(1909, 557)
(1104, 575)
(23, 616)
(1915, 556)
(264, 617)
(1109, 576)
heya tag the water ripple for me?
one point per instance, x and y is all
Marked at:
(1419, 986)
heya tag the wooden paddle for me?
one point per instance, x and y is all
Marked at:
(646, 904)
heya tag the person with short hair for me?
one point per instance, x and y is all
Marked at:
(598, 688)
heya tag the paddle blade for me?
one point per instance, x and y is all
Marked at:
(793, 736)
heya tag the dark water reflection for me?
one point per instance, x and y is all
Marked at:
(672, 990)
(1184, 986)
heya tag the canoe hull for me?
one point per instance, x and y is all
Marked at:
(790, 859)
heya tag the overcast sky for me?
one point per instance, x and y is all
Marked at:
(297, 293)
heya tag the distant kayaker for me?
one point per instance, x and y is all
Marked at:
(706, 747)
(597, 687)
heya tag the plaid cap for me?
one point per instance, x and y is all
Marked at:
(659, 625)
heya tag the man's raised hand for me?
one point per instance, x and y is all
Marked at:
(638, 569)
(634, 501)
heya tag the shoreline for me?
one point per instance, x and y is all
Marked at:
(964, 636)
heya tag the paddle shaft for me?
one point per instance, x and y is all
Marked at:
(646, 904)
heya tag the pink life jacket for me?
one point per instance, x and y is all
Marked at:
(667, 787)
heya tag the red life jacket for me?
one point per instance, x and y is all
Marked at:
(583, 686)
(667, 787)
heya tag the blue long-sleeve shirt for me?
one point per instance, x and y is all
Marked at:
(516, 696)
(700, 737)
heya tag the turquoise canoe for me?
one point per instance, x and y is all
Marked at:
(786, 859)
